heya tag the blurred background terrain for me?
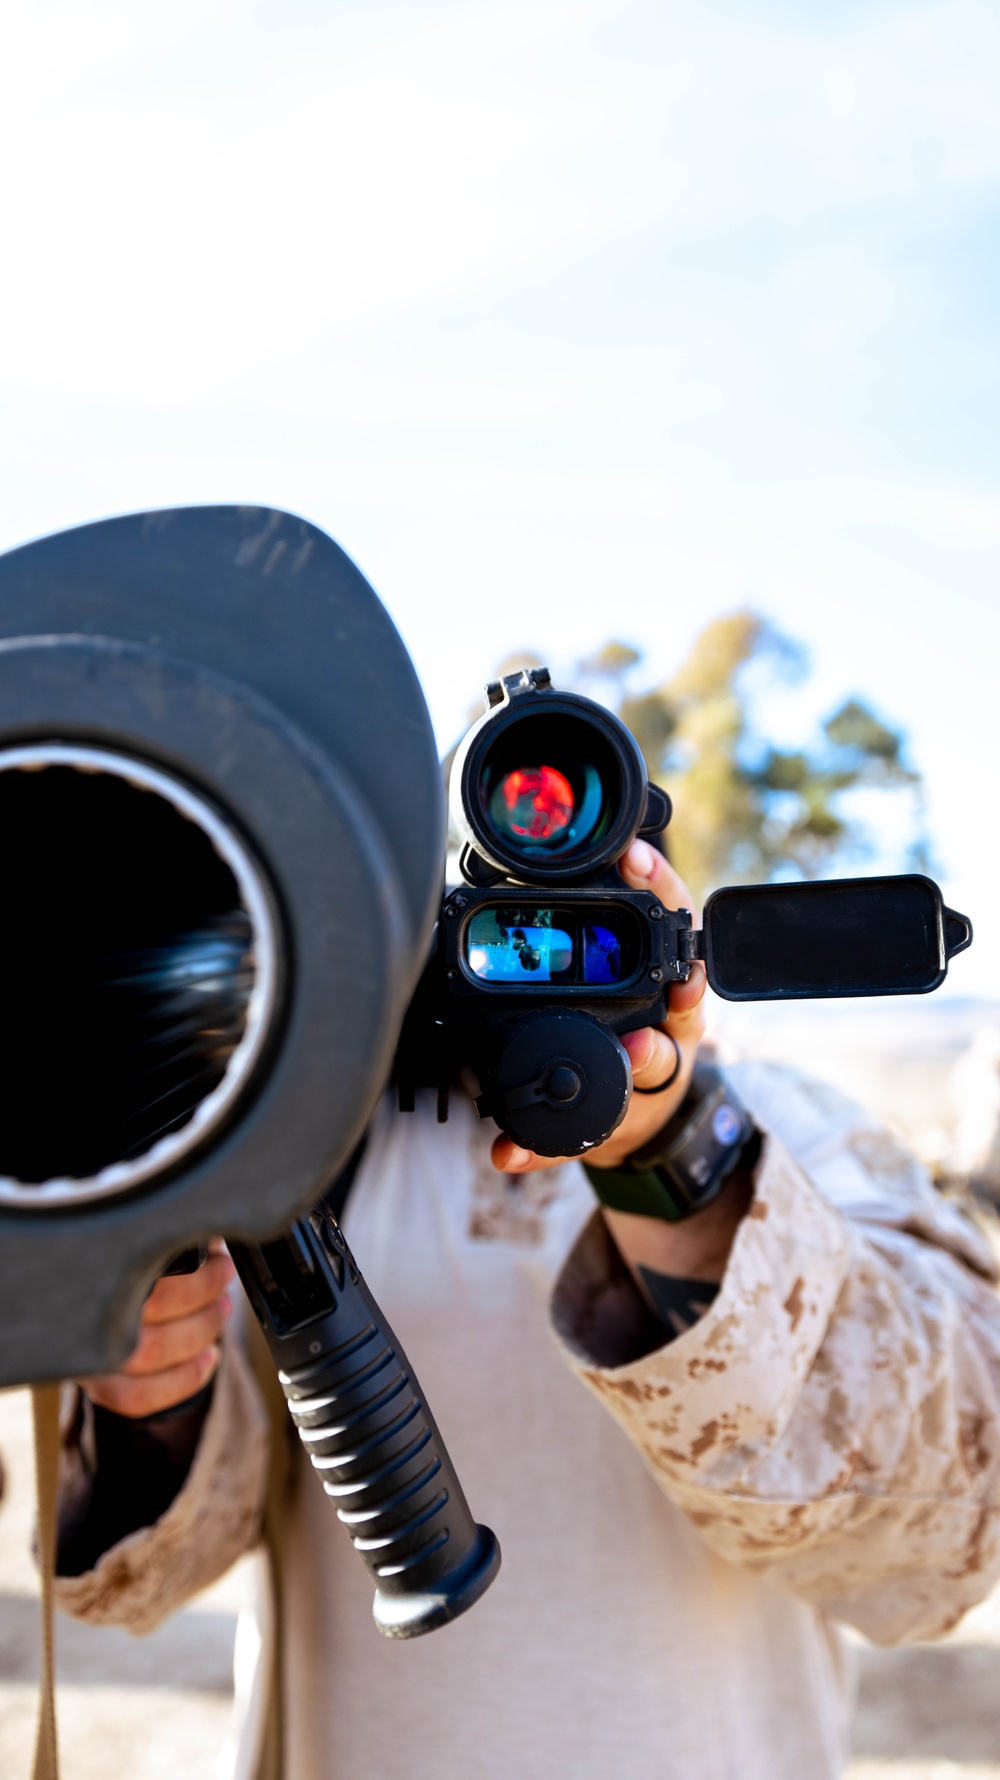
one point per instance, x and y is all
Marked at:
(663, 340)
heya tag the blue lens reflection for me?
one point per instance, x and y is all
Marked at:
(602, 958)
(501, 953)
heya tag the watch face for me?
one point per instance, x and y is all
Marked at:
(726, 1124)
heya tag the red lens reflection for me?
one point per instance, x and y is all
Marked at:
(539, 801)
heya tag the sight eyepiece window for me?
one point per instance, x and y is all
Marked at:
(526, 943)
(549, 787)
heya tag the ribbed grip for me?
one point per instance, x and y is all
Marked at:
(363, 1421)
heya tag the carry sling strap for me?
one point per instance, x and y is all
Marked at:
(271, 1759)
(45, 1416)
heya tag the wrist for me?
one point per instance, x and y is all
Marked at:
(674, 1206)
(138, 1465)
(683, 1167)
(696, 1248)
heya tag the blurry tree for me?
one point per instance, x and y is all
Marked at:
(748, 810)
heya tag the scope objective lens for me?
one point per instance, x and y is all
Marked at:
(533, 802)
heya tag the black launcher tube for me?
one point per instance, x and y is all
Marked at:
(365, 1425)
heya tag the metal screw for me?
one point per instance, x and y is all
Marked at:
(656, 974)
(451, 910)
(315, 1347)
(451, 974)
(656, 912)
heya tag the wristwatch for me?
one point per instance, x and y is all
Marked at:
(685, 1166)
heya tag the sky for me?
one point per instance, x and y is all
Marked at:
(568, 320)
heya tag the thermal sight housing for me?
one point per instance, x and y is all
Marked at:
(545, 957)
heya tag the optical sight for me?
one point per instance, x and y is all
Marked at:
(545, 957)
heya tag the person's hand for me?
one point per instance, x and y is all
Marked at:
(178, 1347)
(651, 1053)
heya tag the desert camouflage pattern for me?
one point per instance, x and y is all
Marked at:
(833, 1418)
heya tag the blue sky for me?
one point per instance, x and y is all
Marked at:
(566, 319)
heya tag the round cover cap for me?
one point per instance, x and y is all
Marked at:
(562, 1083)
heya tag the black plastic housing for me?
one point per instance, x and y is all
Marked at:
(457, 1019)
(522, 710)
(366, 1427)
(841, 938)
(238, 653)
(516, 1000)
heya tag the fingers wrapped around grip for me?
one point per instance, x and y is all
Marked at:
(178, 1347)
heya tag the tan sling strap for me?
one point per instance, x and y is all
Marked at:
(271, 1765)
(45, 1415)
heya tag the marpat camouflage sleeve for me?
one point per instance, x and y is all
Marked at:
(214, 1519)
(834, 1417)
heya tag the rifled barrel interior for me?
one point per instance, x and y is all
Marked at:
(137, 971)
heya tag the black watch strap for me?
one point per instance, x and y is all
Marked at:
(685, 1166)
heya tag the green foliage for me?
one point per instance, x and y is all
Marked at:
(748, 811)
(612, 659)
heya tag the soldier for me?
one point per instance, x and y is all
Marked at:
(707, 1442)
